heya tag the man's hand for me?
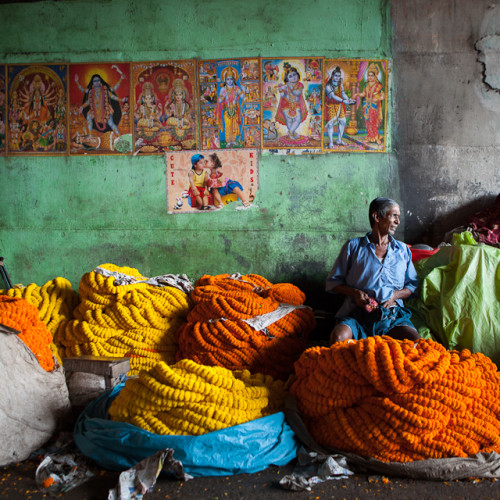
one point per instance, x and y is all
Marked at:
(361, 298)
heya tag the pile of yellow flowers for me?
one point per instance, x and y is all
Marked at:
(192, 399)
(136, 320)
(55, 302)
(217, 331)
(399, 400)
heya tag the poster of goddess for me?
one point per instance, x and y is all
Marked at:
(355, 105)
(292, 93)
(3, 116)
(99, 100)
(206, 181)
(164, 106)
(230, 111)
(37, 109)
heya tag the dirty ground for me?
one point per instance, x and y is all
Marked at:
(18, 482)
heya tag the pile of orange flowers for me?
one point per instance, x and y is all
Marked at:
(19, 314)
(399, 400)
(217, 334)
(55, 302)
(136, 320)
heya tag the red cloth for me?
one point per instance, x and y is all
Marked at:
(486, 224)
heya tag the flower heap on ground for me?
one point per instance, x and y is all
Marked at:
(19, 314)
(218, 333)
(192, 399)
(399, 400)
(136, 320)
(55, 302)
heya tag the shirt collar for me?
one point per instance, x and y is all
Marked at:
(366, 240)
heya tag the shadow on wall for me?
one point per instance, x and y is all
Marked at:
(450, 220)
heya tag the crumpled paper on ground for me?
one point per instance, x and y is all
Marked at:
(140, 479)
(313, 468)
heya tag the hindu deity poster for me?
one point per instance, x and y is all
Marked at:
(99, 100)
(37, 109)
(292, 93)
(3, 116)
(206, 181)
(355, 105)
(164, 106)
(230, 109)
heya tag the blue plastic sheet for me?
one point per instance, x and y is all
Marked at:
(244, 448)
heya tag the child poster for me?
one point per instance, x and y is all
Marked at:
(292, 94)
(355, 105)
(164, 106)
(37, 109)
(207, 181)
(230, 109)
(99, 99)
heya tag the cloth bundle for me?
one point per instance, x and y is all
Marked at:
(246, 322)
(397, 401)
(138, 320)
(192, 399)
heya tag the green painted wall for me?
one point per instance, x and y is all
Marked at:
(64, 216)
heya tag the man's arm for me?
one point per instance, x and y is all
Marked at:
(361, 298)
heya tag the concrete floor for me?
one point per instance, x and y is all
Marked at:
(18, 482)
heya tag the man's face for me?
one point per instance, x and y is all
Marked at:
(390, 222)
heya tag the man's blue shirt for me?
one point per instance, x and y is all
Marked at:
(358, 266)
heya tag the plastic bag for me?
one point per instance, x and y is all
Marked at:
(244, 448)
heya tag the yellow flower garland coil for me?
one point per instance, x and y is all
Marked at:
(216, 332)
(399, 401)
(136, 320)
(192, 399)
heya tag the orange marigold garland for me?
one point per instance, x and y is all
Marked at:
(22, 316)
(217, 332)
(399, 400)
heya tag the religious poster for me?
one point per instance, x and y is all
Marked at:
(206, 181)
(3, 116)
(292, 93)
(164, 106)
(99, 100)
(37, 109)
(230, 108)
(355, 105)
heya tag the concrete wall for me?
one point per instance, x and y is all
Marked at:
(447, 92)
(64, 216)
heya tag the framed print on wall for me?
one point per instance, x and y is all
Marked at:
(165, 106)
(230, 108)
(292, 93)
(99, 99)
(3, 115)
(355, 105)
(37, 109)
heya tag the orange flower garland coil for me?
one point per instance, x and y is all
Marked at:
(216, 332)
(399, 401)
(22, 316)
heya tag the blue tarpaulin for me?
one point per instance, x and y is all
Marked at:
(245, 448)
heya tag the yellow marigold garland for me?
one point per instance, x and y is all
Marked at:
(216, 335)
(192, 399)
(398, 400)
(19, 314)
(137, 320)
(55, 302)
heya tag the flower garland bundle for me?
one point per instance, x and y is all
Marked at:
(137, 320)
(399, 401)
(19, 314)
(192, 399)
(55, 302)
(217, 332)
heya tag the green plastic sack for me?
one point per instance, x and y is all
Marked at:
(459, 297)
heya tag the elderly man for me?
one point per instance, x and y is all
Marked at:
(375, 273)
